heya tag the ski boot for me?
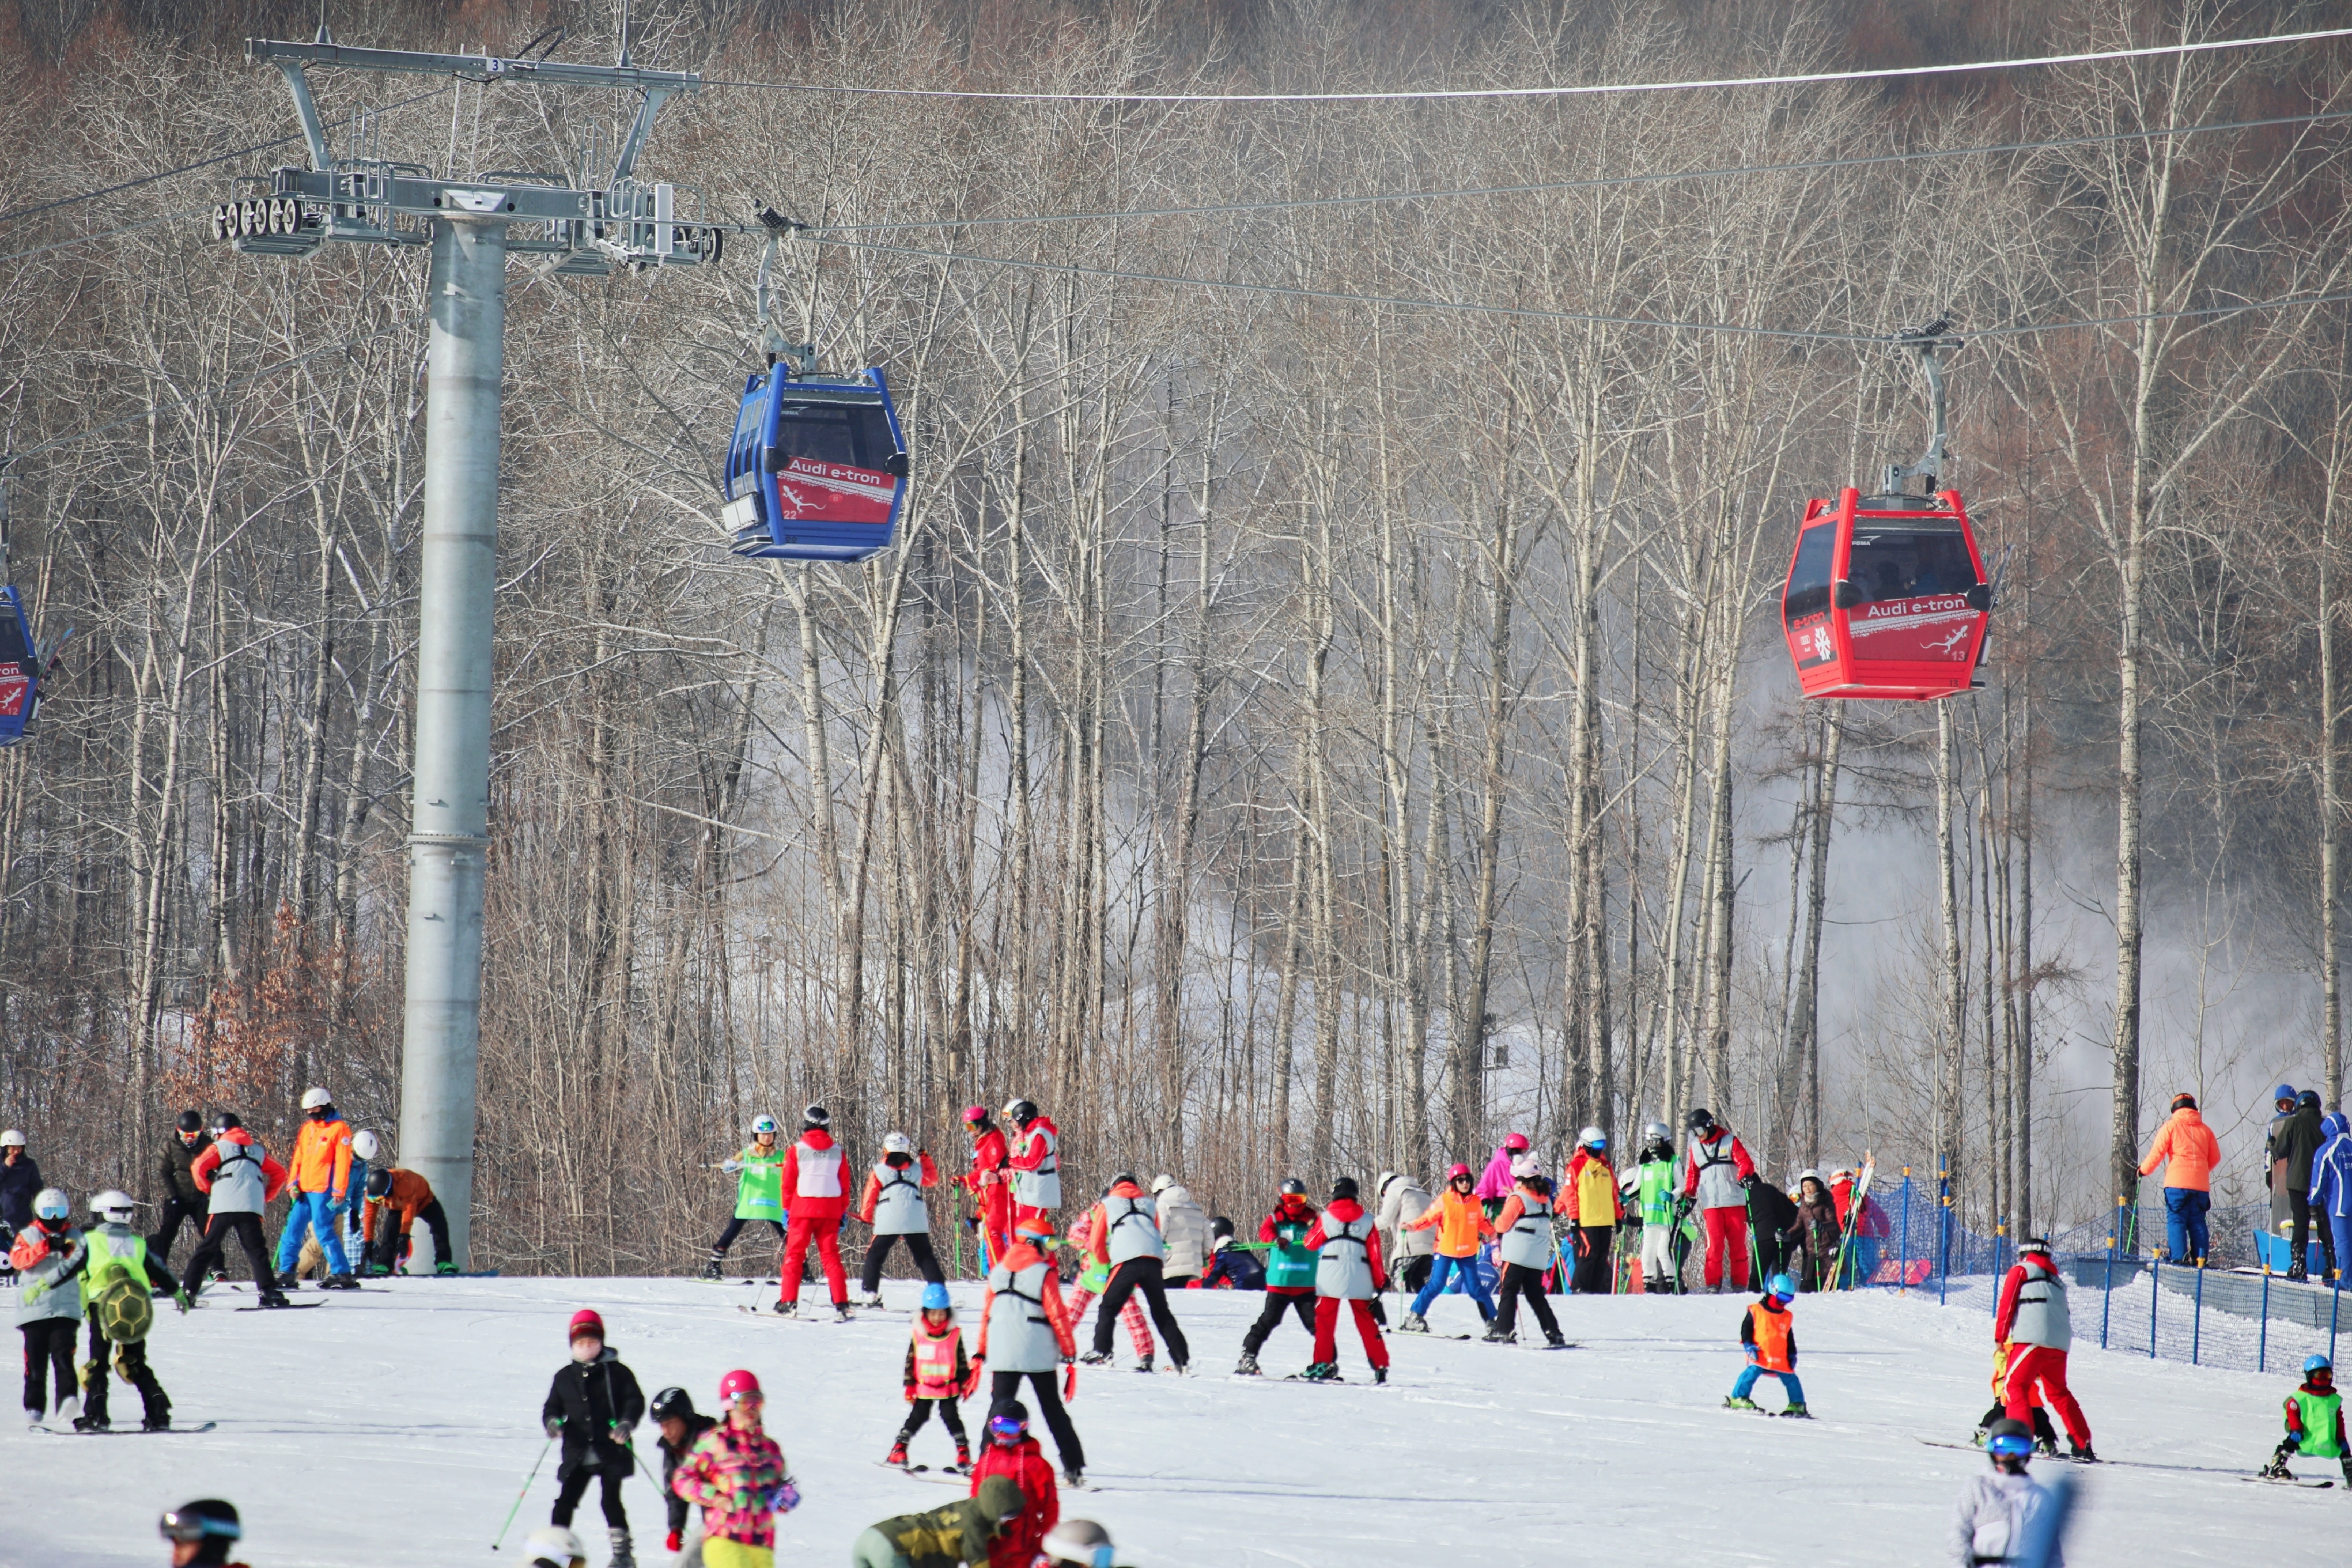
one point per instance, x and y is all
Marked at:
(963, 1457)
(2047, 1447)
(1413, 1323)
(1321, 1372)
(786, 1309)
(1247, 1366)
(275, 1299)
(157, 1423)
(2080, 1453)
(67, 1408)
(624, 1555)
(873, 1302)
(1797, 1412)
(1074, 1477)
(714, 1268)
(1145, 1364)
(1497, 1334)
(444, 1268)
(289, 1280)
(1381, 1374)
(1734, 1402)
(1556, 1340)
(2276, 1469)
(842, 1314)
(898, 1455)
(338, 1282)
(1094, 1358)
(91, 1424)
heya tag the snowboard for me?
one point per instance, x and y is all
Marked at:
(2288, 1481)
(126, 1431)
(288, 1307)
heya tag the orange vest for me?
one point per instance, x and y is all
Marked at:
(935, 1359)
(1771, 1330)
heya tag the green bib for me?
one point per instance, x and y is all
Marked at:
(760, 1189)
(2319, 1412)
(114, 1286)
(1657, 1191)
(1289, 1266)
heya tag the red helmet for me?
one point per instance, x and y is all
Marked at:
(736, 1384)
(1459, 1170)
(975, 1114)
(587, 1321)
(1515, 1141)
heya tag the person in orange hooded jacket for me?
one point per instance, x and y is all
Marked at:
(1010, 1451)
(1460, 1221)
(320, 1178)
(816, 1195)
(2189, 1145)
(396, 1200)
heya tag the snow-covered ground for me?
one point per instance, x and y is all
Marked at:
(394, 1428)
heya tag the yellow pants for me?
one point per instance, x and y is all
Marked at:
(722, 1554)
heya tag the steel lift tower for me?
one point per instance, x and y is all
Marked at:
(472, 226)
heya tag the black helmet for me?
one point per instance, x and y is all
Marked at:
(379, 1182)
(1293, 1187)
(208, 1523)
(1344, 1188)
(190, 1123)
(2308, 1097)
(1699, 1120)
(1220, 1226)
(1021, 1113)
(817, 1116)
(671, 1403)
(1127, 1176)
(225, 1121)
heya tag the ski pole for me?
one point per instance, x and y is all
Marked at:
(518, 1496)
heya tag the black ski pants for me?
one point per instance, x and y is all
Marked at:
(919, 1247)
(735, 1228)
(1269, 1317)
(49, 1357)
(2299, 1206)
(214, 1249)
(1594, 1275)
(1006, 1385)
(951, 1417)
(392, 1244)
(1412, 1273)
(575, 1487)
(1515, 1283)
(130, 1360)
(167, 1229)
(1140, 1274)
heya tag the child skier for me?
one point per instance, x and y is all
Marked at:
(1093, 1276)
(1013, 1453)
(1770, 1332)
(1289, 1272)
(937, 1374)
(680, 1425)
(758, 1192)
(48, 1311)
(1654, 1200)
(593, 1405)
(1348, 1269)
(2046, 1434)
(117, 1279)
(735, 1473)
(1460, 1223)
(2315, 1423)
(1526, 1251)
(893, 1205)
(1231, 1268)
(1991, 1523)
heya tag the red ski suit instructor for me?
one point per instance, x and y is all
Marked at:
(816, 1195)
(1716, 1169)
(990, 1181)
(2032, 1322)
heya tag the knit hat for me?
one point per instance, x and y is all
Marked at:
(587, 1321)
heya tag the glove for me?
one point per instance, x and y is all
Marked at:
(672, 1544)
(730, 1166)
(1583, 1244)
(781, 1497)
(971, 1383)
(909, 1392)
(180, 1299)
(554, 1425)
(623, 1431)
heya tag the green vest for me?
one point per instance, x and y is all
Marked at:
(2319, 1412)
(1290, 1266)
(1657, 1191)
(760, 1189)
(116, 1252)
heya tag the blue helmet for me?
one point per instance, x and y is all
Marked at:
(1783, 1287)
(936, 1298)
(2285, 1093)
(2312, 1364)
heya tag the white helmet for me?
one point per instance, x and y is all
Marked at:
(365, 1145)
(1524, 1165)
(1163, 1181)
(1656, 1133)
(115, 1204)
(1080, 1542)
(52, 1204)
(1808, 1172)
(554, 1546)
(763, 1124)
(1591, 1138)
(12, 1139)
(898, 1143)
(313, 1098)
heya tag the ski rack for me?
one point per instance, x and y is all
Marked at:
(625, 221)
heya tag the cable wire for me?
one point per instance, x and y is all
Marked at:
(106, 233)
(1590, 89)
(15, 213)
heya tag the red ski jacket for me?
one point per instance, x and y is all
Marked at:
(989, 1157)
(815, 1206)
(1024, 1462)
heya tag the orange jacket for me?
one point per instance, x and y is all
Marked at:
(410, 1193)
(2191, 1147)
(1460, 1222)
(322, 1158)
(1588, 1193)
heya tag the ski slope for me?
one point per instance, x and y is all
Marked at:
(393, 1426)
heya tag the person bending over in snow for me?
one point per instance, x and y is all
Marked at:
(593, 1405)
(1526, 1252)
(396, 1199)
(1347, 1246)
(680, 1424)
(1231, 1268)
(1998, 1505)
(1460, 1223)
(957, 1536)
(552, 1546)
(1010, 1452)
(202, 1533)
(736, 1475)
(1770, 1332)
(1075, 1543)
(937, 1374)
(1289, 1272)
(2315, 1423)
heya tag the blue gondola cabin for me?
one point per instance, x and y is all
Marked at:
(817, 470)
(1886, 597)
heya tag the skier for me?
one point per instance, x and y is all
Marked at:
(1037, 1163)
(1010, 1452)
(396, 1200)
(815, 1195)
(201, 1534)
(1495, 1182)
(2032, 1322)
(2046, 1434)
(1231, 1268)
(1769, 1331)
(1075, 1543)
(2315, 1423)
(1094, 1277)
(1817, 1228)
(957, 1536)
(989, 1184)
(1774, 1226)
(1289, 1272)
(551, 1546)
(1654, 1199)
(758, 1170)
(2331, 1186)
(48, 1312)
(20, 1183)
(117, 1277)
(594, 1404)
(182, 1199)
(1525, 1253)
(2192, 1150)
(1460, 1223)
(1399, 1200)
(1866, 1235)
(680, 1424)
(1024, 1333)
(1126, 1236)
(1994, 1512)
(1590, 1202)
(1715, 1165)
(1184, 1231)
(2299, 1146)
(321, 1169)
(735, 1473)
(350, 1219)
(937, 1374)
(238, 1180)
(1347, 1246)
(893, 1205)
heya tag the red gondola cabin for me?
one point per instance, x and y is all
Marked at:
(1886, 597)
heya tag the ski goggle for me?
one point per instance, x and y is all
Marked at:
(1097, 1557)
(2010, 1446)
(1007, 1429)
(184, 1527)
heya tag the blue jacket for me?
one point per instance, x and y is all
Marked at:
(2331, 1170)
(1233, 1268)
